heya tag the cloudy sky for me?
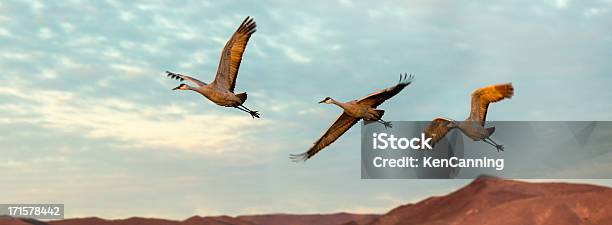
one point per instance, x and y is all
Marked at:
(87, 117)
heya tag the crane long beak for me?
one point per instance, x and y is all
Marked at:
(176, 88)
(321, 101)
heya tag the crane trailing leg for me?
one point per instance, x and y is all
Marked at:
(254, 114)
(490, 141)
(387, 124)
(375, 115)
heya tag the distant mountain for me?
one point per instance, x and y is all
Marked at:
(129, 221)
(486, 201)
(215, 220)
(489, 200)
(321, 219)
(5, 220)
(273, 219)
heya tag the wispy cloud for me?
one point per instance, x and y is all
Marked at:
(561, 3)
(171, 127)
(130, 70)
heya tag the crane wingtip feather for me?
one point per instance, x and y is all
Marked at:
(406, 79)
(174, 76)
(299, 157)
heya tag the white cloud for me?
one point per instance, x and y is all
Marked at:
(16, 56)
(31, 164)
(136, 126)
(87, 41)
(45, 33)
(292, 53)
(126, 16)
(295, 55)
(48, 74)
(347, 3)
(198, 58)
(374, 13)
(5, 19)
(595, 12)
(37, 6)
(112, 53)
(561, 3)
(311, 32)
(130, 70)
(151, 48)
(127, 45)
(67, 62)
(176, 27)
(4, 32)
(67, 27)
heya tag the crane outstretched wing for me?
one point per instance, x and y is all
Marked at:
(231, 56)
(437, 129)
(182, 77)
(377, 98)
(482, 97)
(342, 124)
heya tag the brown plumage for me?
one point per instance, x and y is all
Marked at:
(377, 98)
(221, 90)
(473, 126)
(231, 56)
(342, 124)
(437, 129)
(364, 108)
(482, 97)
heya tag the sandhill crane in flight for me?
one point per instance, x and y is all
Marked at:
(221, 90)
(355, 110)
(473, 126)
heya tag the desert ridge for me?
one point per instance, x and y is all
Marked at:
(486, 200)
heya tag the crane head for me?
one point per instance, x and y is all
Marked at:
(181, 87)
(326, 100)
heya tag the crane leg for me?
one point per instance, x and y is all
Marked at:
(488, 142)
(254, 114)
(500, 147)
(387, 124)
(493, 143)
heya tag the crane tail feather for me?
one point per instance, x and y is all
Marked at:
(242, 97)
(490, 130)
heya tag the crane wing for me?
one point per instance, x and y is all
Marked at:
(375, 99)
(342, 124)
(231, 56)
(181, 77)
(481, 98)
(437, 129)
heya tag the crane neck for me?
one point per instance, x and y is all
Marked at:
(206, 92)
(339, 104)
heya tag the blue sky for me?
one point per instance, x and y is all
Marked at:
(88, 119)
